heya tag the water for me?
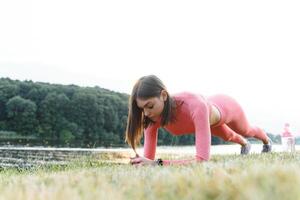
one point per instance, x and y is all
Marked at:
(179, 150)
(216, 149)
(31, 156)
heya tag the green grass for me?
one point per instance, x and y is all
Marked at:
(269, 176)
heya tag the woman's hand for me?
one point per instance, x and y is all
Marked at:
(141, 161)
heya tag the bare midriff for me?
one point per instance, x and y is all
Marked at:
(215, 116)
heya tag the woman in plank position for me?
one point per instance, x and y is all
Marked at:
(152, 107)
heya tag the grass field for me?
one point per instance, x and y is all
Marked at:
(256, 176)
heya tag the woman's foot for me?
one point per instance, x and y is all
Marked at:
(245, 149)
(267, 147)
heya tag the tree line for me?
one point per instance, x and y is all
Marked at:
(69, 115)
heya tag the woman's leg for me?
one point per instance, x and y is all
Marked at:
(234, 117)
(227, 134)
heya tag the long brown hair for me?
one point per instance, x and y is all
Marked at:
(146, 87)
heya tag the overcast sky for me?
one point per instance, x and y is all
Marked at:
(247, 49)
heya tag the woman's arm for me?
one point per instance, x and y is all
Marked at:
(200, 116)
(150, 141)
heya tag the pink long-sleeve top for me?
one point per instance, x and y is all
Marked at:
(192, 116)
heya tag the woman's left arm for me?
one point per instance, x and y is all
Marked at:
(200, 116)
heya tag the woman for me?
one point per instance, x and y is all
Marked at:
(152, 107)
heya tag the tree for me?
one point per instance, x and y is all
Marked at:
(53, 109)
(87, 113)
(8, 89)
(22, 115)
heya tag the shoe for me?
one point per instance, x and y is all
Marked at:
(245, 149)
(267, 147)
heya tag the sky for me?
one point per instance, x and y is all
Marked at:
(249, 50)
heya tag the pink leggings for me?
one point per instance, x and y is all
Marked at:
(233, 123)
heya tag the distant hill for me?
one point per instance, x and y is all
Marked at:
(62, 113)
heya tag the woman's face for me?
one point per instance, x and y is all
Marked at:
(152, 107)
